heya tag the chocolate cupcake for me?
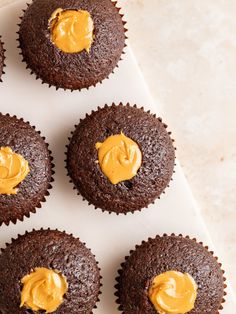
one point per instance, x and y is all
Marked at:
(25, 169)
(170, 274)
(120, 158)
(72, 44)
(48, 271)
(2, 58)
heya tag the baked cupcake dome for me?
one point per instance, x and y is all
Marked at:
(23, 140)
(169, 253)
(2, 58)
(158, 157)
(52, 250)
(72, 70)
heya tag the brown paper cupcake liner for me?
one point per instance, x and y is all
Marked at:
(4, 59)
(115, 3)
(66, 157)
(119, 272)
(19, 216)
(64, 232)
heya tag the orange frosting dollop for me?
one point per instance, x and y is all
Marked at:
(173, 293)
(119, 158)
(43, 289)
(72, 30)
(13, 170)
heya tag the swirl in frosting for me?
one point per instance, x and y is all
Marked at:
(13, 170)
(173, 293)
(43, 289)
(71, 30)
(119, 158)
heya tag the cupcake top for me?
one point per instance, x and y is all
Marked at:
(169, 275)
(48, 271)
(1, 59)
(120, 158)
(26, 169)
(72, 44)
(43, 289)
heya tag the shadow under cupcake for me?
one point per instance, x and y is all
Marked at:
(2, 59)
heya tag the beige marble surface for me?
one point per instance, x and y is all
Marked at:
(187, 52)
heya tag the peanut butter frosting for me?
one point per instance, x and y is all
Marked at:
(43, 289)
(119, 158)
(72, 30)
(173, 293)
(13, 170)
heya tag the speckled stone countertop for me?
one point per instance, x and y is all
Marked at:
(187, 52)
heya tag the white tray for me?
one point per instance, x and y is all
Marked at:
(54, 113)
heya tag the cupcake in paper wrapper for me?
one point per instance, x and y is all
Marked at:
(48, 271)
(72, 44)
(120, 158)
(169, 274)
(26, 169)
